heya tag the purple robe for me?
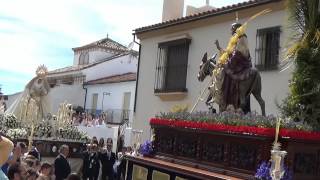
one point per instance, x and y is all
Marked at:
(237, 69)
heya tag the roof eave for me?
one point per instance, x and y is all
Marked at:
(190, 19)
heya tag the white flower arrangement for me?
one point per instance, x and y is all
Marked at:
(10, 121)
(43, 130)
(19, 133)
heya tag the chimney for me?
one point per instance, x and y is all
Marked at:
(194, 10)
(172, 9)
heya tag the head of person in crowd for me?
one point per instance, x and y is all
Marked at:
(129, 150)
(94, 148)
(64, 150)
(39, 146)
(16, 172)
(94, 140)
(124, 150)
(23, 147)
(109, 144)
(73, 176)
(32, 162)
(45, 169)
(101, 142)
(31, 174)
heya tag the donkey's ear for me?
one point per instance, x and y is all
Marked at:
(205, 58)
(213, 58)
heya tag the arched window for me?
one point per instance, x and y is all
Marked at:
(84, 58)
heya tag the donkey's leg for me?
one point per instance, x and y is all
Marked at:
(261, 102)
(256, 91)
(242, 97)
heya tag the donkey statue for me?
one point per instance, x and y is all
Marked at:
(251, 85)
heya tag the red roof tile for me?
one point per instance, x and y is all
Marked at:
(202, 15)
(114, 79)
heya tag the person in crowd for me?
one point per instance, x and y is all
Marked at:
(35, 151)
(121, 167)
(45, 171)
(94, 164)
(91, 164)
(101, 120)
(16, 172)
(94, 140)
(84, 119)
(31, 174)
(86, 163)
(73, 176)
(6, 147)
(15, 156)
(129, 150)
(107, 159)
(61, 165)
(32, 162)
(101, 144)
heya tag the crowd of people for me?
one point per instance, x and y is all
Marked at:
(89, 120)
(99, 162)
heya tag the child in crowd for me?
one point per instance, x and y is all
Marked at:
(45, 171)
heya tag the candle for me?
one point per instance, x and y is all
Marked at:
(277, 163)
(277, 130)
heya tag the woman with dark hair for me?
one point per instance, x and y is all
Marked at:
(101, 143)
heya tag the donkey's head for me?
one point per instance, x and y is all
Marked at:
(206, 66)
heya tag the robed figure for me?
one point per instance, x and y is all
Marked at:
(36, 90)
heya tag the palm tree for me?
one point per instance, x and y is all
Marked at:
(303, 102)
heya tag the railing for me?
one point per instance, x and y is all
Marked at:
(117, 116)
(114, 116)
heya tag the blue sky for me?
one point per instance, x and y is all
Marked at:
(38, 32)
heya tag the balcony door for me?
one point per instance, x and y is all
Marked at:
(94, 103)
(126, 105)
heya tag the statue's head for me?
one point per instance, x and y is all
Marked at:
(39, 85)
(206, 66)
(234, 27)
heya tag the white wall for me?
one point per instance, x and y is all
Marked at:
(274, 83)
(98, 55)
(115, 99)
(116, 66)
(73, 94)
(76, 59)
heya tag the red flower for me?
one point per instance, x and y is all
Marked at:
(250, 130)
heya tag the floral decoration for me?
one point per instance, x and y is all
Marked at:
(250, 124)
(147, 148)
(263, 172)
(18, 133)
(43, 130)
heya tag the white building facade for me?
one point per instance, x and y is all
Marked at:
(79, 83)
(182, 42)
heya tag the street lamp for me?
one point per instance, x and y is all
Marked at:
(104, 94)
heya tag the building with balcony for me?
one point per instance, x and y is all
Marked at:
(102, 78)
